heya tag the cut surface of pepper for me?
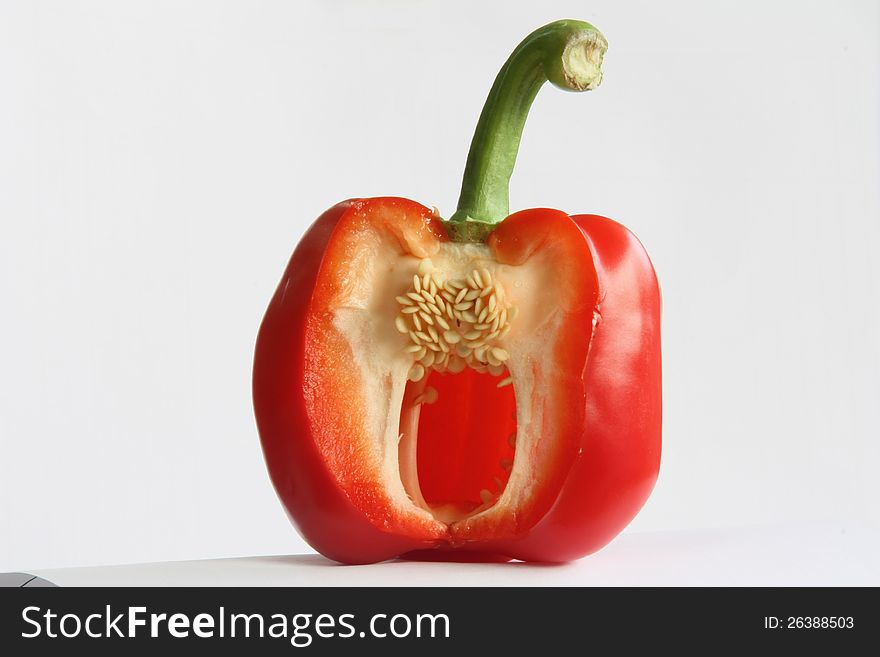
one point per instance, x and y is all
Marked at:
(482, 387)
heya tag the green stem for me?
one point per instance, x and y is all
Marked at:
(567, 53)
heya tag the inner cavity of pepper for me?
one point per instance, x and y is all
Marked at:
(456, 452)
(458, 421)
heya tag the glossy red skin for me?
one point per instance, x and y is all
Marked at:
(618, 467)
(307, 489)
(603, 486)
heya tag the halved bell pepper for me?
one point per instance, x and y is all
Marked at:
(485, 386)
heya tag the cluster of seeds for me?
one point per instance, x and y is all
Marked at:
(453, 324)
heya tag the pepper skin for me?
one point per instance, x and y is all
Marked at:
(520, 417)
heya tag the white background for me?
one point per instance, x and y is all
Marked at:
(159, 161)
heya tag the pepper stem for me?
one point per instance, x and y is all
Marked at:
(569, 54)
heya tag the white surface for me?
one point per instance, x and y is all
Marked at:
(794, 556)
(159, 161)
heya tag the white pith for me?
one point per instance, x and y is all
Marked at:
(365, 317)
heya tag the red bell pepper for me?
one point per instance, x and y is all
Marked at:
(482, 387)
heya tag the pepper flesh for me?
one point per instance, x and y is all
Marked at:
(332, 401)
